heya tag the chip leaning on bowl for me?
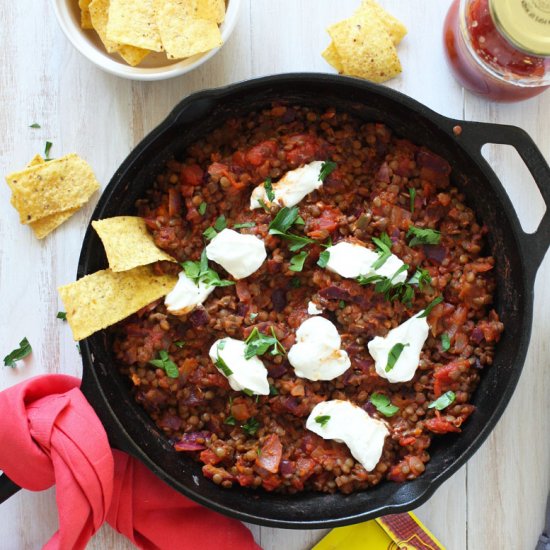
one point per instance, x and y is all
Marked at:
(135, 28)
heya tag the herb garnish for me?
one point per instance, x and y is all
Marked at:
(295, 282)
(251, 426)
(282, 222)
(269, 190)
(202, 208)
(445, 342)
(430, 306)
(258, 343)
(402, 292)
(341, 304)
(326, 169)
(164, 362)
(209, 233)
(322, 419)
(62, 315)
(263, 205)
(384, 245)
(199, 272)
(17, 354)
(412, 195)
(230, 420)
(297, 262)
(248, 392)
(383, 404)
(244, 225)
(253, 316)
(47, 150)
(220, 363)
(421, 277)
(179, 344)
(273, 390)
(219, 225)
(35, 125)
(423, 236)
(394, 355)
(324, 257)
(443, 401)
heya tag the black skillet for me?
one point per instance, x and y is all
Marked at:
(518, 256)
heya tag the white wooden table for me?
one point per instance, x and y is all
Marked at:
(497, 500)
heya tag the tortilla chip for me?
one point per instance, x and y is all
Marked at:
(52, 187)
(127, 243)
(104, 298)
(332, 58)
(132, 22)
(99, 10)
(395, 28)
(85, 19)
(35, 161)
(213, 10)
(184, 36)
(365, 48)
(132, 55)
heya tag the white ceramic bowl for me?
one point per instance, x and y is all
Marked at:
(156, 66)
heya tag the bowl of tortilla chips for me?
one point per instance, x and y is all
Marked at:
(147, 39)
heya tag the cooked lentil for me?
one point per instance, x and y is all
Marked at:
(368, 194)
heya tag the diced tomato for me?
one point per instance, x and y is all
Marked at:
(241, 411)
(270, 483)
(219, 169)
(317, 228)
(245, 480)
(305, 149)
(191, 174)
(208, 456)
(440, 425)
(174, 202)
(271, 453)
(258, 154)
(448, 374)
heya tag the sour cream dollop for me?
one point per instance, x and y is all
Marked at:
(350, 260)
(412, 334)
(317, 354)
(186, 295)
(346, 423)
(241, 255)
(291, 188)
(243, 374)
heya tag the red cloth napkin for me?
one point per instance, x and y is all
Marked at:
(51, 435)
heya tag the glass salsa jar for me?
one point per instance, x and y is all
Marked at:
(499, 49)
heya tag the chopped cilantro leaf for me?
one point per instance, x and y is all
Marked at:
(443, 401)
(202, 208)
(326, 169)
(394, 355)
(421, 235)
(62, 315)
(383, 404)
(324, 257)
(268, 186)
(17, 354)
(322, 419)
(164, 362)
(297, 262)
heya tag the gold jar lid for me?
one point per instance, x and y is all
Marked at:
(526, 23)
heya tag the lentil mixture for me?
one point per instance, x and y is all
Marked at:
(261, 441)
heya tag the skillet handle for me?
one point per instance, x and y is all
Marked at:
(7, 488)
(475, 135)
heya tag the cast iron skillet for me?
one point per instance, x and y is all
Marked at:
(517, 254)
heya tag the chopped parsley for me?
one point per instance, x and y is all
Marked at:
(401, 292)
(251, 426)
(47, 150)
(341, 304)
(297, 262)
(179, 344)
(209, 233)
(220, 224)
(164, 362)
(430, 306)
(420, 278)
(199, 272)
(322, 420)
(220, 363)
(394, 355)
(423, 236)
(202, 208)
(273, 390)
(324, 257)
(281, 224)
(62, 315)
(383, 404)
(445, 342)
(295, 282)
(230, 420)
(326, 169)
(258, 343)
(383, 244)
(412, 195)
(244, 225)
(268, 186)
(17, 354)
(443, 401)
(35, 125)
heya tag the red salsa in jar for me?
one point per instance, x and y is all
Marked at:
(486, 59)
